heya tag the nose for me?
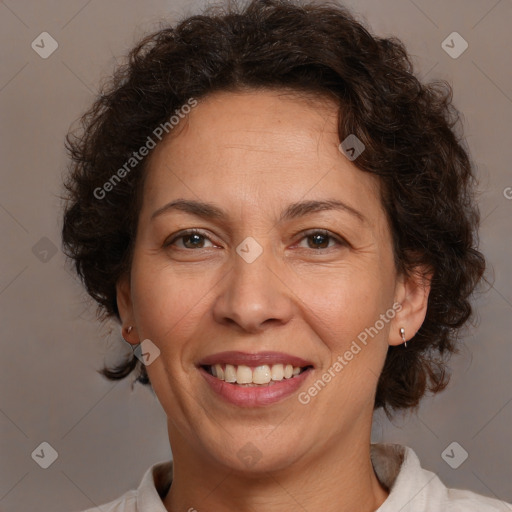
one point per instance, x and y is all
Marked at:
(254, 296)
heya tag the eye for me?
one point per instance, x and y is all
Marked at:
(195, 239)
(320, 239)
(192, 239)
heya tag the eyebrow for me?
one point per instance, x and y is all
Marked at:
(292, 211)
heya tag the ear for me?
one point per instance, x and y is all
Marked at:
(412, 293)
(125, 307)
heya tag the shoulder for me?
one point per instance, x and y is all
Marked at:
(125, 503)
(415, 489)
(459, 500)
(147, 497)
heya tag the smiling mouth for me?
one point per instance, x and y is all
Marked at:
(264, 375)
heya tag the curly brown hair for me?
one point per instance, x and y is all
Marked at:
(411, 131)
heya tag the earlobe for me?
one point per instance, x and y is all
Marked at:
(124, 305)
(412, 292)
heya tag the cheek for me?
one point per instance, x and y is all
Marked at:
(167, 308)
(167, 304)
(343, 302)
(351, 339)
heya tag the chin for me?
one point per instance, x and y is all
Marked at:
(256, 454)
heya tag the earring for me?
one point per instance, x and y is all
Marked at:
(402, 333)
(128, 330)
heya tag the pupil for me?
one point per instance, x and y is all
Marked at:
(194, 237)
(316, 238)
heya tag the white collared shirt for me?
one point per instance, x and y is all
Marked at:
(411, 488)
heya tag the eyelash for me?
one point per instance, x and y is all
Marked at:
(189, 232)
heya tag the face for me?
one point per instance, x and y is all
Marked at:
(263, 281)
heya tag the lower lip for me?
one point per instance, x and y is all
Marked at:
(255, 396)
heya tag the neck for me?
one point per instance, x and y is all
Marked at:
(339, 479)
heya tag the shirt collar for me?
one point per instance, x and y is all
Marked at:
(411, 488)
(154, 487)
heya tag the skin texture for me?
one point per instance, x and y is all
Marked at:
(252, 153)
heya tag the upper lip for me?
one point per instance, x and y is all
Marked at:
(253, 359)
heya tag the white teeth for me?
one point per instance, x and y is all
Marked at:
(260, 375)
(277, 372)
(243, 374)
(230, 373)
(218, 371)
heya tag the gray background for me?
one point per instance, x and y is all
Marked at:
(107, 434)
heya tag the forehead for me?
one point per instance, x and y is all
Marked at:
(257, 148)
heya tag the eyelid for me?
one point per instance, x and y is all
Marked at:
(185, 232)
(325, 232)
(303, 234)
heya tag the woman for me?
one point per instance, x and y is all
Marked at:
(281, 217)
